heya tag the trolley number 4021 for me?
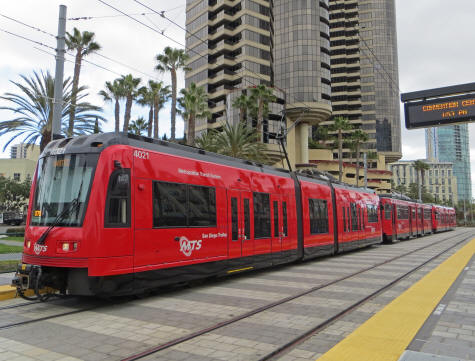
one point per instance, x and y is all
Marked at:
(141, 154)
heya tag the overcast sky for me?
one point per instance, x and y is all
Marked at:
(434, 43)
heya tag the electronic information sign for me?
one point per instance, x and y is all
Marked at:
(441, 111)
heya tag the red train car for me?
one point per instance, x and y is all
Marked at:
(398, 218)
(115, 214)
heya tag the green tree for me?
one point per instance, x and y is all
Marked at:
(340, 125)
(401, 189)
(420, 168)
(84, 44)
(13, 194)
(114, 92)
(243, 103)
(235, 141)
(357, 138)
(129, 85)
(193, 104)
(260, 98)
(139, 126)
(155, 95)
(33, 108)
(170, 61)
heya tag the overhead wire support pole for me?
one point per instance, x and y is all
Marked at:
(59, 75)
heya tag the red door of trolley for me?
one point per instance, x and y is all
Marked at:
(240, 239)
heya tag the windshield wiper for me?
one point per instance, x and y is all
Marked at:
(74, 203)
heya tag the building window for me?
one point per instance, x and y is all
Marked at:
(16, 177)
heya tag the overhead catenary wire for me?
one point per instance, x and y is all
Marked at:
(98, 54)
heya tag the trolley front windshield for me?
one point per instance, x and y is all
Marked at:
(62, 186)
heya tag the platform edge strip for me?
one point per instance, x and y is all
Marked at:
(386, 335)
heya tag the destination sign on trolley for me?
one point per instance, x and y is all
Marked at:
(442, 111)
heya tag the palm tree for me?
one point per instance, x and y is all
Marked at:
(235, 141)
(358, 137)
(33, 107)
(243, 103)
(194, 104)
(84, 44)
(172, 60)
(129, 85)
(261, 96)
(420, 168)
(340, 125)
(146, 99)
(114, 92)
(160, 95)
(138, 126)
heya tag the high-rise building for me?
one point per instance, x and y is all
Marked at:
(316, 54)
(230, 44)
(364, 67)
(453, 146)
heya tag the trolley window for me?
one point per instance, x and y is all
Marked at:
(354, 217)
(344, 219)
(387, 211)
(234, 219)
(276, 218)
(318, 211)
(402, 212)
(262, 225)
(183, 205)
(284, 217)
(372, 213)
(118, 200)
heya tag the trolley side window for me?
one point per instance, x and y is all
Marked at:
(183, 205)
(234, 219)
(262, 225)
(318, 211)
(387, 211)
(276, 218)
(354, 217)
(402, 212)
(344, 219)
(117, 213)
(284, 218)
(372, 213)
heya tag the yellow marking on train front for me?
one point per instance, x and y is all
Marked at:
(240, 270)
(387, 334)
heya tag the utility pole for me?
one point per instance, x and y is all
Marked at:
(59, 74)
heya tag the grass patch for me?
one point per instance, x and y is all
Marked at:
(8, 266)
(15, 239)
(10, 249)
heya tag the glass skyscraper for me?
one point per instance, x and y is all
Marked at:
(453, 147)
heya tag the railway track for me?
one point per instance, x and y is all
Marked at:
(97, 305)
(321, 326)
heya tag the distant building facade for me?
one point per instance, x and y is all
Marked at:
(22, 163)
(439, 181)
(451, 144)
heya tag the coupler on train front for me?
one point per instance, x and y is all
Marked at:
(43, 282)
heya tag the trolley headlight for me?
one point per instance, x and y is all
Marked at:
(67, 246)
(28, 244)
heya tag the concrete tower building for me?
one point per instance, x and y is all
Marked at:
(364, 68)
(230, 44)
